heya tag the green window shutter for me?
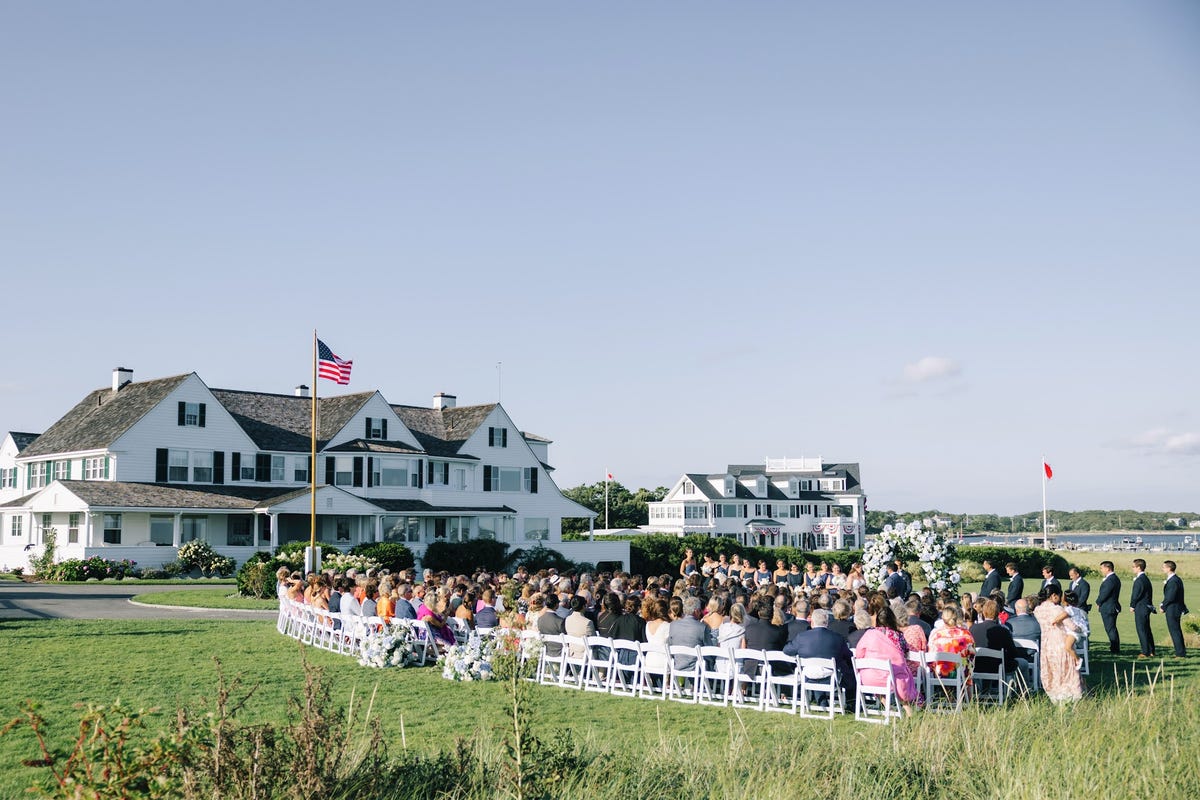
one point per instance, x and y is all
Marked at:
(106, 460)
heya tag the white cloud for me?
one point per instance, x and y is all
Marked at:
(1164, 441)
(931, 368)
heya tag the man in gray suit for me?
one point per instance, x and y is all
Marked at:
(1024, 626)
(689, 631)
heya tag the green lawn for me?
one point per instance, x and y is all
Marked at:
(207, 598)
(721, 753)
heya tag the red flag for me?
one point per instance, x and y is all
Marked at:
(1049, 472)
(610, 477)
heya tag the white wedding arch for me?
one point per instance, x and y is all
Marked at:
(910, 543)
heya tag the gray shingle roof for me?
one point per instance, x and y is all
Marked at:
(390, 504)
(101, 417)
(284, 421)
(443, 432)
(704, 485)
(376, 446)
(533, 437)
(22, 440)
(121, 494)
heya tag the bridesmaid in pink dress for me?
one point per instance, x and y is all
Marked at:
(884, 641)
(1060, 674)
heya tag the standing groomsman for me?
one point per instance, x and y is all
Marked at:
(1141, 604)
(991, 581)
(1081, 588)
(1109, 603)
(1016, 587)
(1173, 607)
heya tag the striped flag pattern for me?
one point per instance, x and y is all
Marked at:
(330, 366)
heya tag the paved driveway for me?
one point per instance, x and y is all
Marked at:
(19, 600)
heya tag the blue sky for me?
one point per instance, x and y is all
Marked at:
(938, 239)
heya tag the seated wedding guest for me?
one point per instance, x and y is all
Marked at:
(761, 633)
(385, 607)
(912, 612)
(537, 607)
(714, 613)
(404, 606)
(577, 624)
(1024, 626)
(348, 602)
(463, 609)
(862, 624)
(487, 615)
(820, 642)
(369, 601)
(800, 612)
(609, 614)
(841, 618)
(730, 634)
(885, 642)
(988, 632)
(629, 625)
(282, 582)
(436, 618)
(688, 631)
(335, 596)
(550, 623)
(658, 631)
(952, 638)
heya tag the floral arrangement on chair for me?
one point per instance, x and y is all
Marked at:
(394, 645)
(467, 662)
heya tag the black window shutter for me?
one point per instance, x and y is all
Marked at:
(430, 477)
(160, 465)
(383, 427)
(370, 472)
(533, 471)
(182, 412)
(358, 465)
(446, 473)
(310, 472)
(420, 476)
(330, 470)
(202, 415)
(503, 435)
(491, 436)
(219, 467)
(262, 467)
(235, 466)
(367, 435)
(487, 478)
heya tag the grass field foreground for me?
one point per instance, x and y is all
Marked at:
(1141, 725)
(207, 598)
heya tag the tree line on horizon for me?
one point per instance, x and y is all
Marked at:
(629, 509)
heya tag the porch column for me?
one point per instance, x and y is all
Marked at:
(87, 527)
(274, 531)
(379, 527)
(591, 529)
(177, 530)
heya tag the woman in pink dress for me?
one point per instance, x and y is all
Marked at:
(1060, 676)
(952, 637)
(884, 641)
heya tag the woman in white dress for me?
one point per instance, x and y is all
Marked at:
(655, 611)
(729, 635)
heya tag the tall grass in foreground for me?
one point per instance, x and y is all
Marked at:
(1135, 739)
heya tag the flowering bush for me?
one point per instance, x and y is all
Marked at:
(935, 553)
(200, 555)
(394, 646)
(467, 662)
(334, 561)
(83, 569)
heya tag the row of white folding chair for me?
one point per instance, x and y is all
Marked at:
(1081, 650)
(1032, 677)
(949, 691)
(875, 698)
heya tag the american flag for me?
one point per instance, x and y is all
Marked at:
(330, 366)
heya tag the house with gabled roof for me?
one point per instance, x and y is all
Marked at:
(801, 502)
(136, 469)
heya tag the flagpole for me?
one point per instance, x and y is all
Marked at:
(312, 467)
(1045, 525)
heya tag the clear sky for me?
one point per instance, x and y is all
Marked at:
(938, 239)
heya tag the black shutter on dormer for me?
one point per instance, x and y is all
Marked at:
(330, 470)
(262, 467)
(182, 413)
(504, 437)
(202, 415)
(429, 477)
(487, 478)
(235, 466)
(160, 465)
(383, 428)
(446, 473)
(370, 472)
(219, 467)
(420, 476)
(533, 471)
(367, 434)
(358, 465)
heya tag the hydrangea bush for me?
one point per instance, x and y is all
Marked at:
(393, 646)
(200, 555)
(468, 662)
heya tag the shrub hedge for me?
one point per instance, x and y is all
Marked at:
(463, 558)
(391, 556)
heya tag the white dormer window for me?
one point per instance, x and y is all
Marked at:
(760, 487)
(688, 487)
(376, 428)
(729, 483)
(497, 437)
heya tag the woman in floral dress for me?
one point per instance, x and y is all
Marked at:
(952, 637)
(1060, 676)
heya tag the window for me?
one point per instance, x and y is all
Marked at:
(202, 467)
(47, 523)
(300, 469)
(497, 437)
(72, 529)
(343, 529)
(537, 529)
(487, 527)
(502, 479)
(193, 528)
(241, 531)
(191, 414)
(16, 526)
(93, 468)
(688, 488)
(246, 466)
(460, 529)
(177, 466)
(343, 471)
(460, 478)
(376, 428)
(62, 470)
(112, 528)
(401, 529)
(439, 473)
(8, 478)
(278, 468)
(529, 479)
(391, 472)
(729, 486)
(162, 530)
(37, 474)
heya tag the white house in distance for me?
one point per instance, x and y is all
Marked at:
(138, 468)
(802, 502)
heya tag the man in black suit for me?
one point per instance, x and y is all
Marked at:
(549, 623)
(1173, 607)
(1109, 603)
(1081, 588)
(990, 633)
(1141, 604)
(799, 620)
(820, 642)
(991, 579)
(1049, 582)
(905, 576)
(1016, 587)
(893, 584)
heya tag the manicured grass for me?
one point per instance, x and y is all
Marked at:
(207, 598)
(153, 582)
(1140, 727)
(8, 576)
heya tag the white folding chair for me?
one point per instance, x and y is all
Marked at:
(819, 679)
(684, 680)
(989, 678)
(528, 650)
(875, 697)
(1081, 650)
(550, 660)
(656, 669)
(426, 643)
(1033, 675)
(597, 671)
(462, 630)
(748, 685)
(625, 675)
(716, 676)
(782, 682)
(574, 662)
(946, 692)
(285, 608)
